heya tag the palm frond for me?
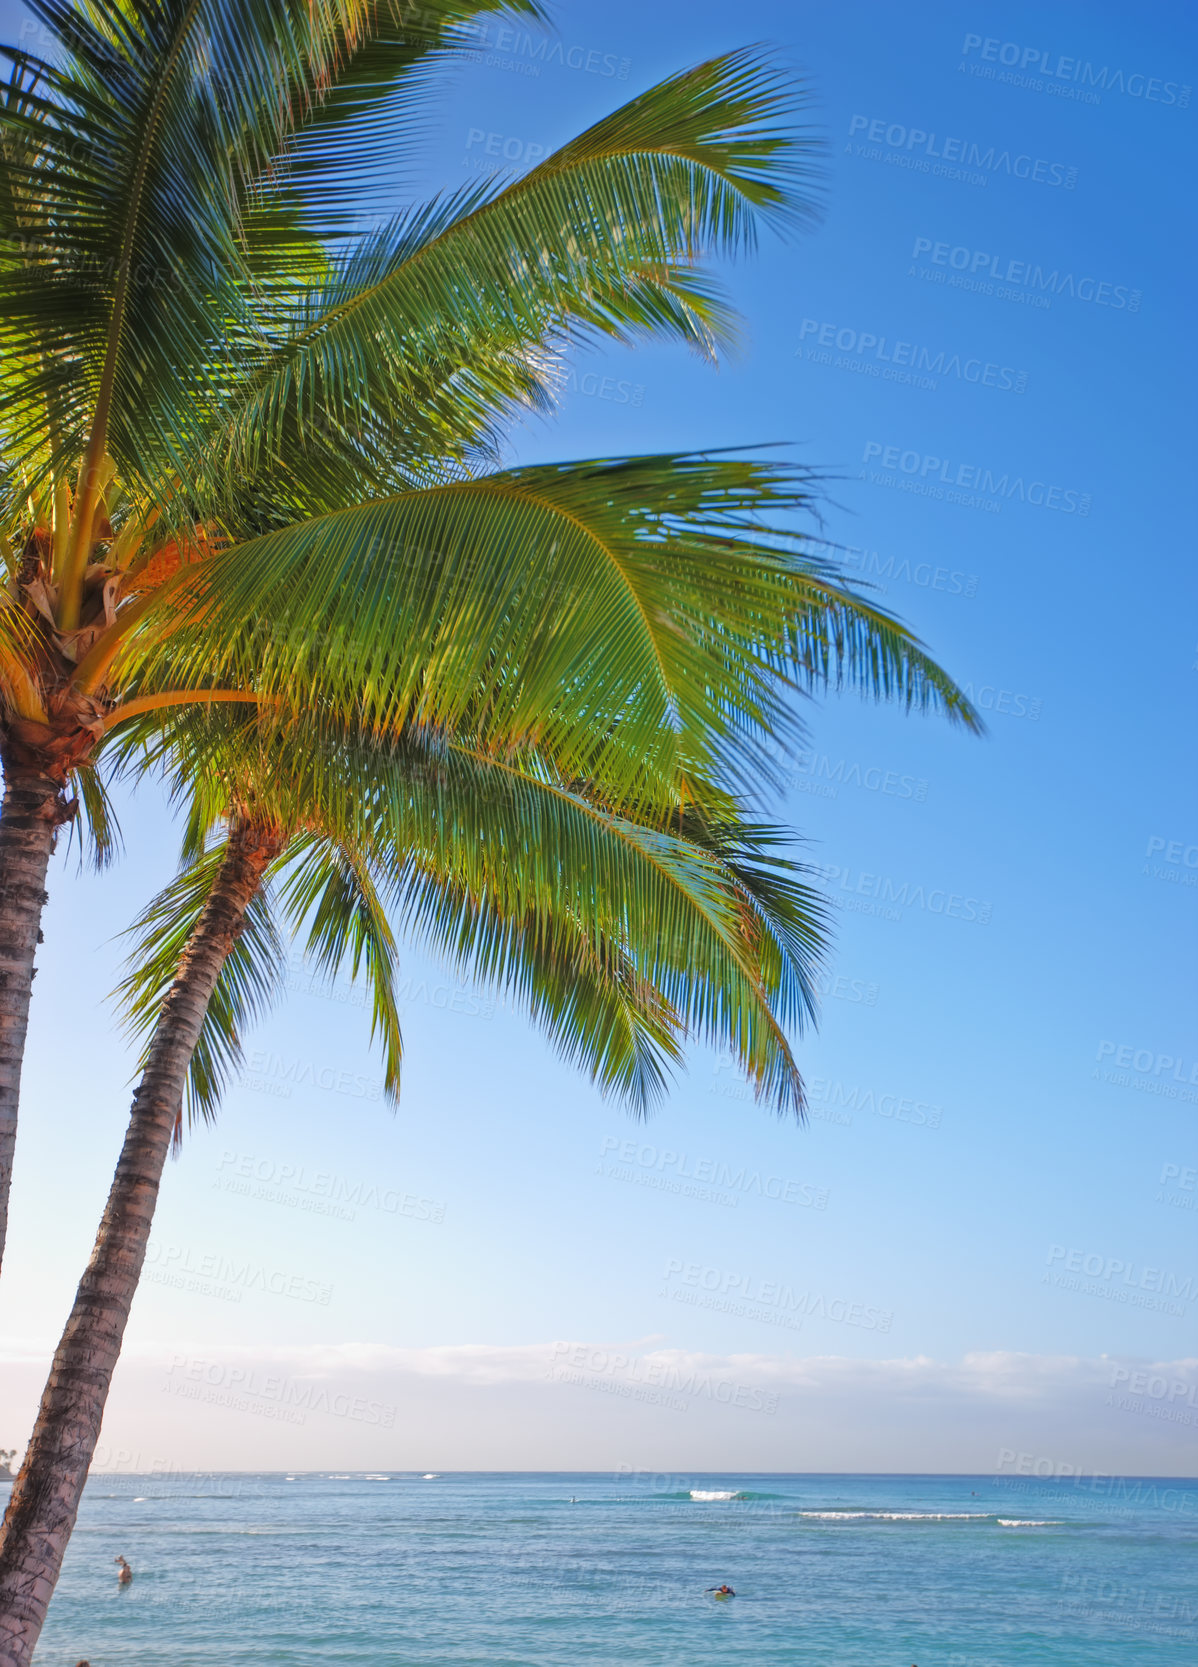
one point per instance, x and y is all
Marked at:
(633, 618)
(134, 165)
(99, 830)
(248, 983)
(329, 897)
(621, 937)
(616, 218)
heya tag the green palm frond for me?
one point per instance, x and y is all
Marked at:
(353, 133)
(633, 618)
(621, 937)
(95, 823)
(135, 164)
(329, 897)
(248, 983)
(599, 1012)
(579, 876)
(616, 218)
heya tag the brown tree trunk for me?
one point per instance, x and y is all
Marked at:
(30, 814)
(45, 1497)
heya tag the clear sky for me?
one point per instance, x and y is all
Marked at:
(980, 1253)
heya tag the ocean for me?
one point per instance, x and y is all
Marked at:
(542, 1570)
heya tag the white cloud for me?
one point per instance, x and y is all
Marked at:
(573, 1405)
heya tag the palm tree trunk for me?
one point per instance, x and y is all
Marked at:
(45, 1497)
(30, 815)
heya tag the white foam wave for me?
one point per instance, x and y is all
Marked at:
(712, 1493)
(897, 1516)
(431, 1476)
(1023, 1522)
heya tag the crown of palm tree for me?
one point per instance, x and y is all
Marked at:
(247, 451)
(248, 421)
(256, 533)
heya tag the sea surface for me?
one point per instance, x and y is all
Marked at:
(542, 1570)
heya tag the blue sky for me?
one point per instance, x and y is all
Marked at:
(1004, 1083)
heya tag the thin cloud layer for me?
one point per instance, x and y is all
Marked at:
(633, 1403)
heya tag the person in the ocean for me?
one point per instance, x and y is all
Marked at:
(721, 1591)
(126, 1573)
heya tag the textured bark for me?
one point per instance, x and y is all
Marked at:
(31, 812)
(45, 1497)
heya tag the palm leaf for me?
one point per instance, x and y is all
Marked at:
(615, 218)
(330, 895)
(630, 617)
(249, 980)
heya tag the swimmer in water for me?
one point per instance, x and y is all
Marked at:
(126, 1573)
(721, 1591)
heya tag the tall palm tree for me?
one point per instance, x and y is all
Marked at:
(247, 446)
(249, 460)
(621, 937)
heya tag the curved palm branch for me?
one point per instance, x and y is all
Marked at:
(632, 618)
(600, 236)
(622, 938)
(249, 981)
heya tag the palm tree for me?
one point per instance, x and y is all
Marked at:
(249, 464)
(621, 937)
(247, 447)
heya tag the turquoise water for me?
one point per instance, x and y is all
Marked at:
(504, 1570)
